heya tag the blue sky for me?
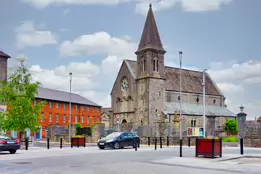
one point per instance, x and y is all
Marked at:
(91, 39)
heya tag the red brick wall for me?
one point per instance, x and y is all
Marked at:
(93, 112)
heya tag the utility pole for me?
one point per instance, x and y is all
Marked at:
(70, 125)
(180, 102)
(204, 103)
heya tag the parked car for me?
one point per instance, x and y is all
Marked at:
(8, 143)
(118, 140)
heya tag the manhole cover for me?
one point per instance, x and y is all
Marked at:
(23, 163)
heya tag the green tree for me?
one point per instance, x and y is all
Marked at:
(232, 126)
(19, 92)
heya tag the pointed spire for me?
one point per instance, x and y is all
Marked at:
(150, 38)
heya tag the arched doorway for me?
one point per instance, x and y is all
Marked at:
(124, 121)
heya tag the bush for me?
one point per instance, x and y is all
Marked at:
(231, 126)
(230, 139)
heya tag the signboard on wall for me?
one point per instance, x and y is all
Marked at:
(195, 131)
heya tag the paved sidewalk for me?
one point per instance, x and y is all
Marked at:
(231, 162)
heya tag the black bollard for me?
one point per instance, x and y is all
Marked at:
(71, 142)
(220, 148)
(61, 143)
(136, 145)
(189, 142)
(148, 141)
(161, 142)
(155, 143)
(84, 142)
(48, 143)
(180, 147)
(241, 146)
(78, 142)
(168, 141)
(26, 143)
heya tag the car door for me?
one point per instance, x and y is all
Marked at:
(130, 139)
(124, 139)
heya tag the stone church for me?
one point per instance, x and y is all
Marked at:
(146, 91)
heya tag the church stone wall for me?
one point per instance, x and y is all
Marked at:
(156, 99)
(123, 103)
(142, 102)
(172, 96)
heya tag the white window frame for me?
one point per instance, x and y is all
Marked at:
(42, 118)
(57, 118)
(57, 104)
(64, 118)
(50, 118)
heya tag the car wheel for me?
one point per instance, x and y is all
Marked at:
(116, 145)
(101, 147)
(12, 151)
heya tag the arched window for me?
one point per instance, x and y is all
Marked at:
(155, 64)
(144, 65)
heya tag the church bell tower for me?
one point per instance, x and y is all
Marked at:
(150, 73)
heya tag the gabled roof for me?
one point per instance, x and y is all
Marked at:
(2, 54)
(56, 95)
(191, 80)
(150, 38)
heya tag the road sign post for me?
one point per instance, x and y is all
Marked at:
(118, 121)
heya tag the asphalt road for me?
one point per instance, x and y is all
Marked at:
(91, 160)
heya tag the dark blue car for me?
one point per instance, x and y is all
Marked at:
(117, 140)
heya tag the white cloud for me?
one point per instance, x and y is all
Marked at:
(187, 5)
(45, 3)
(141, 5)
(27, 34)
(97, 43)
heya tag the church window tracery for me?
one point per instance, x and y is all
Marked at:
(214, 101)
(197, 99)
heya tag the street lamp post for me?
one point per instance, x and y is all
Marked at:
(180, 102)
(70, 125)
(204, 102)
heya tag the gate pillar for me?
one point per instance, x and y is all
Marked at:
(241, 119)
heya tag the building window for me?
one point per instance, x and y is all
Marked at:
(76, 119)
(88, 108)
(57, 118)
(50, 104)
(50, 118)
(99, 109)
(42, 119)
(88, 119)
(214, 101)
(99, 119)
(76, 107)
(82, 108)
(82, 119)
(155, 64)
(197, 100)
(64, 118)
(34, 102)
(57, 105)
(193, 123)
(64, 106)
(93, 119)
(178, 98)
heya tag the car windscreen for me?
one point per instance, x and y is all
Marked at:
(114, 135)
(2, 137)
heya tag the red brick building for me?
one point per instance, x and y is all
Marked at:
(57, 109)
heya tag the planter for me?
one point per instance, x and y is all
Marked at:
(209, 147)
(78, 141)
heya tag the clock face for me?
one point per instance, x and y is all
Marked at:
(124, 84)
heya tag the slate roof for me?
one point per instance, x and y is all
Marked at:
(197, 110)
(191, 80)
(2, 54)
(106, 110)
(150, 38)
(56, 95)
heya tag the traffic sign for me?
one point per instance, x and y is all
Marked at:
(117, 117)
